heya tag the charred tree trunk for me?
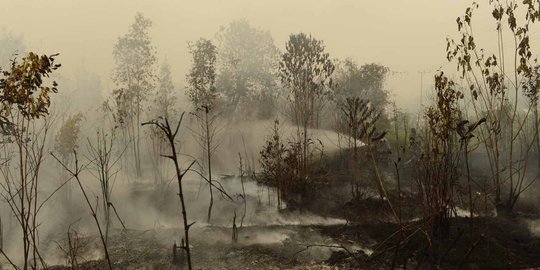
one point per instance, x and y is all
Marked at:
(171, 136)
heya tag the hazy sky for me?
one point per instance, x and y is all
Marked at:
(407, 36)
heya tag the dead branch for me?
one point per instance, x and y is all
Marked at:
(75, 173)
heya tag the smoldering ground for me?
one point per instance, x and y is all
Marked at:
(142, 205)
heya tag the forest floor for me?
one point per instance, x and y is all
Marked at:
(360, 236)
(496, 244)
(272, 247)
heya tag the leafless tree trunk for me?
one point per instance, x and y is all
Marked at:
(244, 190)
(165, 127)
(21, 187)
(206, 137)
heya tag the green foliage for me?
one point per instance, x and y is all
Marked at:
(282, 164)
(164, 99)
(68, 135)
(359, 119)
(366, 82)
(23, 88)
(305, 67)
(248, 61)
(306, 72)
(202, 76)
(134, 74)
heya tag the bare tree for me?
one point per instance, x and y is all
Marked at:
(241, 169)
(75, 173)
(103, 162)
(170, 134)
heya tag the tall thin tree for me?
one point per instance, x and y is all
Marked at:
(306, 71)
(134, 75)
(202, 93)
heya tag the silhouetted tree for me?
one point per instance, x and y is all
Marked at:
(365, 82)
(358, 121)
(170, 133)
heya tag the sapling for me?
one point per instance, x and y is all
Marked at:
(103, 163)
(243, 191)
(203, 94)
(25, 100)
(75, 173)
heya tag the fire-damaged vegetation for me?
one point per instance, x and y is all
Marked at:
(339, 178)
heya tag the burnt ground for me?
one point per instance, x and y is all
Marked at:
(275, 247)
(495, 244)
(368, 238)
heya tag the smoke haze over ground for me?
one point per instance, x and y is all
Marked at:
(315, 134)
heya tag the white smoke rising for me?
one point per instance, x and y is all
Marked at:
(142, 205)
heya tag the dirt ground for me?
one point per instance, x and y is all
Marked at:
(498, 244)
(360, 236)
(273, 247)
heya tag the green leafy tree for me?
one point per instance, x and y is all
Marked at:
(162, 106)
(134, 76)
(202, 93)
(25, 91)
(201, 78)
(247, 62)
(164, 98)
(306, 72)
(366, 82)
(66, 142)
